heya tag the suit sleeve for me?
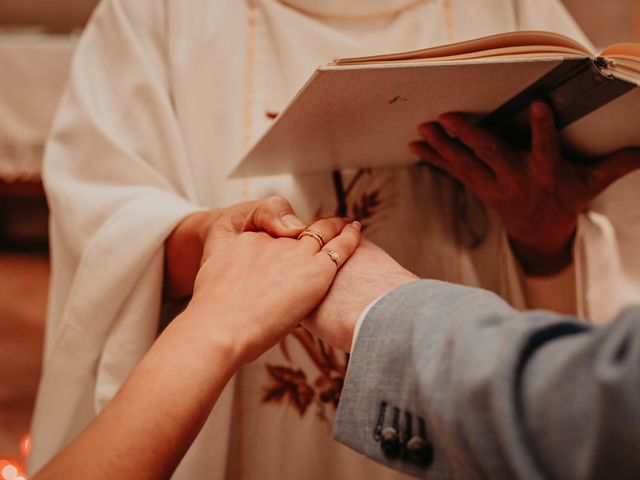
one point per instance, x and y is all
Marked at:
(450, 382)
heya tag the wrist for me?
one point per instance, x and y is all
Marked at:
(392, 282)
(396, 280)
(211, 328)
(546, 257)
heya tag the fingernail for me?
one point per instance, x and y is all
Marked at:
(539, 110)
(291, 221)
(357, 225)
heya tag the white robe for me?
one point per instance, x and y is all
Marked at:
(164, 98)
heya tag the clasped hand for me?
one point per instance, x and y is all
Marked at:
(256, 280)
(256, 288)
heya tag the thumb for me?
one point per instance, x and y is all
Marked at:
(614, 167)
(545, 141)
(275, 216)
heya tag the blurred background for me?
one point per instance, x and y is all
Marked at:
(36, 43)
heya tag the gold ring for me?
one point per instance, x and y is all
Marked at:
(308, 232)
(335, 258)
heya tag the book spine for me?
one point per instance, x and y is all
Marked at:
(601, 63)
(574, 89)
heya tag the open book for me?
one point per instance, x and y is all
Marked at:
(362, 112)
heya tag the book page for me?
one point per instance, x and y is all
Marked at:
(623, 61)
(532, 41)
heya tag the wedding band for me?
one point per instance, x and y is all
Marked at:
(335, 258)
(308, 232)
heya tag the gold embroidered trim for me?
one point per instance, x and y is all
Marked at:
(249, 85)
(238, 403)
(448, 20)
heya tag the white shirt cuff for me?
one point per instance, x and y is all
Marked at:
(358, 324)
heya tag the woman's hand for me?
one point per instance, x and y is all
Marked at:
(253, 288)
(537, 194)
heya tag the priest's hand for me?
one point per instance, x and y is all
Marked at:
(537, 194)
(253, 289)
(370, 274)
(190, 243)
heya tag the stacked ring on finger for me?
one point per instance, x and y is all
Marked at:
(309, 232)
(334, 256)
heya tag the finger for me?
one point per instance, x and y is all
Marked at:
(611, 169)
(545, 141)
(443, 144)
(492, 150)
(336, 252)
(471, 172)
(327, 228)
(275, 216)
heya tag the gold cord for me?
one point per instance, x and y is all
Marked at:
(249, 86)
(238, 403)
(448, 19)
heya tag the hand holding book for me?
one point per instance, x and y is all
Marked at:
(537, 193)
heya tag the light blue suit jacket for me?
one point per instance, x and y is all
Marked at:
(450, 382)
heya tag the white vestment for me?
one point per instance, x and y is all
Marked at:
(164, 98)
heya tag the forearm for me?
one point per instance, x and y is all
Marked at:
(151, 422)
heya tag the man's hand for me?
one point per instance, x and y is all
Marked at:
(537, 194)
(189, 244)
(369, 274)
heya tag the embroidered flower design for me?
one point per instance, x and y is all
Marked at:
(289, 384)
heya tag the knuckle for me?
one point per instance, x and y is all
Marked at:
(275, 202)
(492, 148)
(264, 219)
(260, 215)
(335, 224)
(238, 220)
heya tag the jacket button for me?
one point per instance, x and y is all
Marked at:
(390, 443)
(419, 451)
